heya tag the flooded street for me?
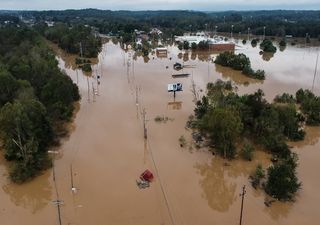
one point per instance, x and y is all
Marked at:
(107, 151)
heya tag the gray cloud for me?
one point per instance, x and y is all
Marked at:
(161, 4)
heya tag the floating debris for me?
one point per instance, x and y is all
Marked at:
(180, 75)
(142, 184)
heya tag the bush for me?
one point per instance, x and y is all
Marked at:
(257, 176)
(283, 43)
(282, 182)
(285, 98)
(267, 46)
(247, 152)
(203, 45)
(182, 141)
(186, 45)
(254, 42)
(194, 46)
(86, 67)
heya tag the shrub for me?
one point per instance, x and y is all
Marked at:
(247, 152)
(267, 46)
(257, 176)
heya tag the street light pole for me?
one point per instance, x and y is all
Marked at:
(231, 31)
(264, 32)
(248, 33)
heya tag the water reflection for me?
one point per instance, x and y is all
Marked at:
(217, 189)
(282, 48)
(146, 59)
(279, 210)
(174, 105)
(235, 76)
(193, 55)
(186, 56)
(34, 195)
(266, 56)
(220, 179)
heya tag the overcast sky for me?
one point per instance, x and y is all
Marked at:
(204, 5)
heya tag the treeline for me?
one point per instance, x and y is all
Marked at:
(239, 62)
(228, 120)
(276, 22)
(35, 99)
(202, 45)
(73, 39)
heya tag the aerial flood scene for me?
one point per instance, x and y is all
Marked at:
(159, 112)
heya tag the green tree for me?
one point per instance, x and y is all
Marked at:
(267, 46)
(247, 151)
(194, 46)
(223, 125)
(257, 176)
(186, 45)
(26, 133)
(8, 87)
(282, 182)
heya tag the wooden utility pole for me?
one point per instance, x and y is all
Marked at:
(71, 176)
(144, 123)
(315, 72)
(137, 100)
(242, 198)
(93, 92)
(88, 89)
(56, 202)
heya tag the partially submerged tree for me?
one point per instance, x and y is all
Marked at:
(282, 182)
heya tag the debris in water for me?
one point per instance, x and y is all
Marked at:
(143, 184)
(146, 176)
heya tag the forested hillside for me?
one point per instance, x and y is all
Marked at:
(276, 22)
(35, 97)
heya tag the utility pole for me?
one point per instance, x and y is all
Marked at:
(315, 72)
(71, 175)
(57, 202)
(231, 31)
(81, 53)
(88, 89)
(242, 198)
(137, 100)
(93, 93)
(144, 123)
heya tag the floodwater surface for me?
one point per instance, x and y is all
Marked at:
(106, 152)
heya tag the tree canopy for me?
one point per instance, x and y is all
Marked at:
(35, 96)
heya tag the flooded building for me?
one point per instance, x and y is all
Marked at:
(162, 52)
(217, 43)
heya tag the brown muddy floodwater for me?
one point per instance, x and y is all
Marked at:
(107, 150)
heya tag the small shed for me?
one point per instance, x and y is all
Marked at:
(146, 176)
(161, 52)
